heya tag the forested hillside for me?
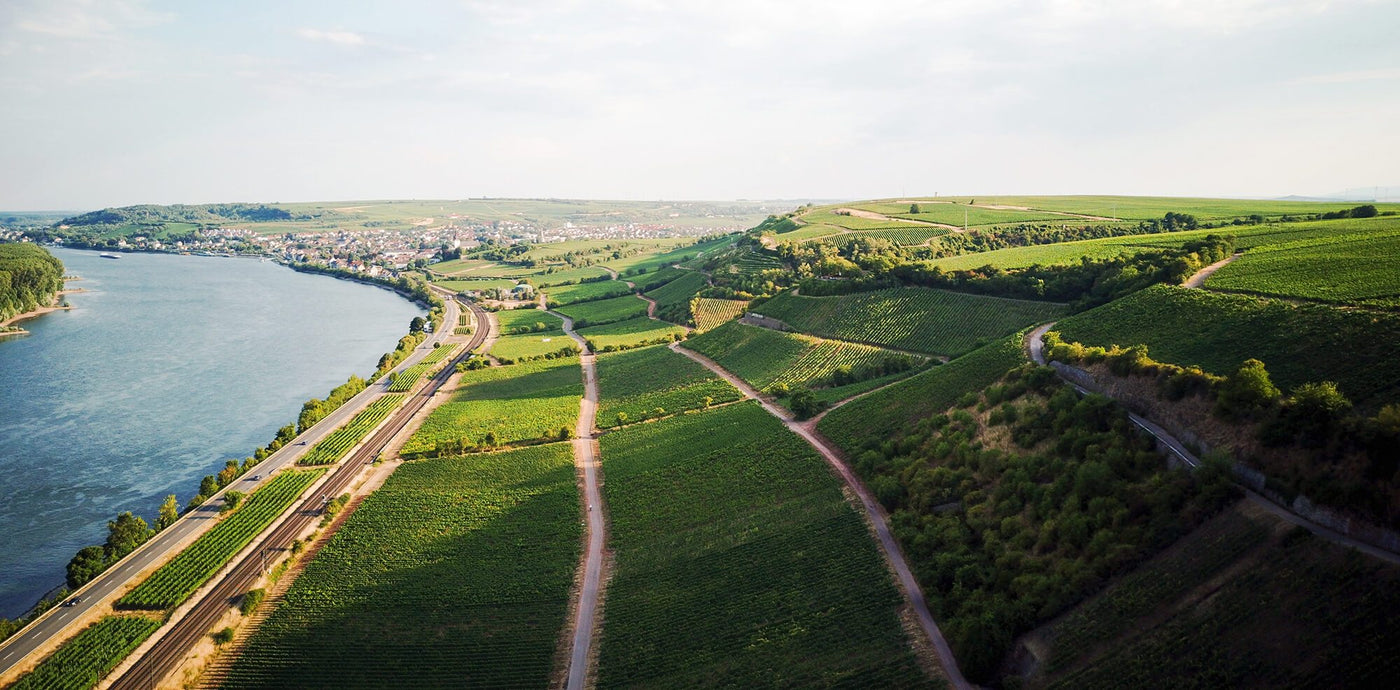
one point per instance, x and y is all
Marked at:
(29, 278)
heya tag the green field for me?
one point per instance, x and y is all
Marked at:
(673, 298)
(812, 232)
(604, 311)
(639, 382)
(877, 417)
(86, 659)
(470, 285)
(529, 334)
(455, 573)
(562, 275)
(955, 214)
(523, 403)
(339, 442)
(654, 279)
(633, 332)
(586, 292)
(403, 381)
(678, 255)
(181, 576)
(828, 216)
(1352, 268)
(710, 313)
(916, 319)
(1298, 343)
(769, 359)
(913, 235)
(739, 563)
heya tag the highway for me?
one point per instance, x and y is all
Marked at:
(103, 590)
(171, 648)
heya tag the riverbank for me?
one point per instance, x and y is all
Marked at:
(5, 325)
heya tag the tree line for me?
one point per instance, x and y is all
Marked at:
(29, 278)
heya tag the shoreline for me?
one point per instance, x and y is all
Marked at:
(39, 311)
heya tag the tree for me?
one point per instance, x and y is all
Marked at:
(804, 403)
(417, 324)
(86, 564)
(914, 208)
(169, 513)
(1314, 410)
(1246, 392)
(125, 534)
(231, 500)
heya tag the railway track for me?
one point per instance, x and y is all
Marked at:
(170, 650)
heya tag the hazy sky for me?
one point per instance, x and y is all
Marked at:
(113, 102)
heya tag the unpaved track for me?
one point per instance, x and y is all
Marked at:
(1198, 279)
(1035, 347)
(874, 512)
(586, 459)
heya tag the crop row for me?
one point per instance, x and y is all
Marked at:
(86, 659)
(673, 298)
(522, 403)
(912, 235)
(404, 381)
(604, 311)
(709, 312)
(916, 319)
(339, 442)
(817, 365)
(455, 572)
(621, 335)
(1352, 268)
(178, 579)
(587, 292)
(439, 353)
(725, 520)
(635, 385)
(655, 279)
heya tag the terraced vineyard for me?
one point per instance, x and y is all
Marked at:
(621, 335)
(1356, 268)
(86, 659)
(673, 298)
(753, 262)
(455, 573)
(726, 521)
(709, 313)
(1298, 343)
(640, 382)
(334, 446)
(586, 292)
(522, 403)
(877, 417)
(916, 319)
(181, 576)
(604, 311)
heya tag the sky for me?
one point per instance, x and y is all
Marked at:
(117, 102)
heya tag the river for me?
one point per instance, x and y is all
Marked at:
(166, 367)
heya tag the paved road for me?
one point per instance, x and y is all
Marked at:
(909, 586)
(1035, 345)
(112, 583)
(586, 458)
(170, 650)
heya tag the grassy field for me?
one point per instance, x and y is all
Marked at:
(1298, 343)
(726, 521)
(1353, 268)
(955, 214)
(470, 285)
(455, 573)
(673, 298)
(654, 279)
(604, 311)
(828, 216)
(529, 333)
(563, 275)
(1284, 612)
(334, 446)
(87, 658)
(913, 235)
(877, 417)
(586, 292)
(653, 261)
(639, 382)
(812, 231)
(710, 313)
(635, 331)
(917, 319)
(769, 359)
(522, 403)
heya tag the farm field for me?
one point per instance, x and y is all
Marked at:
(84, 660)
(678, 255)
(1146, 208)
(633, 332)
(725, 520)
(455, 572)
(1294, 612)
(1297, 343)
(773, 360)
(1355, 268)
(916, 319)
(522, 403)
(955, 214)
(339, 442)
(638, 382)
(515, 321)
(403, 381)
(828, 216)
(812, 231)
(673, 298)
(710, 313)
(877, 417)
(470, 285)
(181, 576)
(909, 236)
(558, 275)
(604, 311)
(585, 292)
(654, 279)
(529, 334)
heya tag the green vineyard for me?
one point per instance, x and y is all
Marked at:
(333, 447)
(604, 311)
(404, 381)
(635, 385)
(83, 661)
(709, 313)
(178, 579)
(769, 359)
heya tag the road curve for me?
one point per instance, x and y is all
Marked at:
(586, 458)
(170, 650)
(909, 586)
(113, 582)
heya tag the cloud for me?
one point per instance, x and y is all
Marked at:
(78, 19)
(344, 38)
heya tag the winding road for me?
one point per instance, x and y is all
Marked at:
(98, 595)
(909, 586)
(586, 460)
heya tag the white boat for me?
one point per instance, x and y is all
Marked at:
(109, 255)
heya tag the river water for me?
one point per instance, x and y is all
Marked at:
(167, 366)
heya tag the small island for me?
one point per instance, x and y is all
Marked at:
(31, 280)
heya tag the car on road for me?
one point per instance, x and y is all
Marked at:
(73, 602)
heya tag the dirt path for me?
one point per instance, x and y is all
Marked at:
(875, 514)
(586, 460)
(1035, 348)
(1198, 279)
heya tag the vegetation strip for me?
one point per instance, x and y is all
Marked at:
(334, 447)
(85, 660)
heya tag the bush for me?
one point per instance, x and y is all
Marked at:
(251, 601)
(223, 637)
(1246, 392)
